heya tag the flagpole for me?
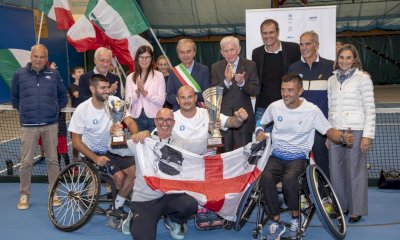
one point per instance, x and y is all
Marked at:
(159, 45)
(40, 28)
(119, 68)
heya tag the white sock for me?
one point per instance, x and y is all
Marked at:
(119, 201)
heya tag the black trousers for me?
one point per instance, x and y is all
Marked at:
(178, 207)
(287, 172)
(234, 139)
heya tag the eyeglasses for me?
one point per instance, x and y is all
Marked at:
(167, 120)
(144, 58)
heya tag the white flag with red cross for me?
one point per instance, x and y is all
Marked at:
(216, 182)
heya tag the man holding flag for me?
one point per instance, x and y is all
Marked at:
(188, 72)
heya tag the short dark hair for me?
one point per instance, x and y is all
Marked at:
(293, 77)
(270, 21)
(76, 68)
(97, 78)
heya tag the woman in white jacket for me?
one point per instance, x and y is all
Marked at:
(351, 108)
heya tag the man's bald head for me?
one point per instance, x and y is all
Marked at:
(185, 89)
(186, 98)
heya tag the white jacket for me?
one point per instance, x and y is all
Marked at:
(352, 103)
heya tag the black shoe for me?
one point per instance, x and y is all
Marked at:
(346, 213)
(120, 213)
(354, 219)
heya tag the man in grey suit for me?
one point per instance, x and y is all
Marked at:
(273, 60)
(188, 72)
(239, 79)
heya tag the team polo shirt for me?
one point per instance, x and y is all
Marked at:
(294, 129)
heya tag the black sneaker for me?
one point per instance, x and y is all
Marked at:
(119, 213)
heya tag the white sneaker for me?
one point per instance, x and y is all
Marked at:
(294, 227)
(23, 202)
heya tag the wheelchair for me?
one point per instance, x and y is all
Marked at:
(83, 189)
(316, 195)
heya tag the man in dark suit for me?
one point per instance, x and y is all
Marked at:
(102, 61)
(239, 78)
(188, 72)
(273, 60)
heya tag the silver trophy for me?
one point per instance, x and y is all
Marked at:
(116, 109)
(212, 101)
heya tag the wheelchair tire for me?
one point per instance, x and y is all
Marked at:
(246, 205)
(78, 188)
(321, 192)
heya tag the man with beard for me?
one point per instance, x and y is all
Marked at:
(90, 130)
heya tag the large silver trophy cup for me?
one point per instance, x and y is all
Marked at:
(116, 109)
(212, 100)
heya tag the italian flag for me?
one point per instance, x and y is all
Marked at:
(10, 61)
(59, 11)
(113, 24)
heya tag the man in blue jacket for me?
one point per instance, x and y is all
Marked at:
(38, 94)
(315, 71)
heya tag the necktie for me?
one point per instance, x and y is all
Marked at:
(232, 66)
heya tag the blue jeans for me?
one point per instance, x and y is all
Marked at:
(144, 122)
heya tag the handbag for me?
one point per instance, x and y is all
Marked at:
(389, 179)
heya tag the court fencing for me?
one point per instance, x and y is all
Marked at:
(384, 154)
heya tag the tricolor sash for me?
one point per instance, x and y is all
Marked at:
(186, 79)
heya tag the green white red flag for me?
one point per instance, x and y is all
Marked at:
(113, 24)
(10, 61)
(59, 11)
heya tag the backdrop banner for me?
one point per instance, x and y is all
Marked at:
(292, 23)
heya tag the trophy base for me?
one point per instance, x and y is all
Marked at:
(118, 142)
(215, 142)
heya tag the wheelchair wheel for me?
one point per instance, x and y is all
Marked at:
(326, 202)
(246, 205)
(78, 188)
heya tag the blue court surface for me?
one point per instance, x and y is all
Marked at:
(383, 221)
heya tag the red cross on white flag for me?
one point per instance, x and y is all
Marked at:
(216, 182)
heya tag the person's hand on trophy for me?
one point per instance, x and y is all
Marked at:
(116, 128)
(211, 126)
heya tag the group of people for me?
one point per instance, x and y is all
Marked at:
(308, 103)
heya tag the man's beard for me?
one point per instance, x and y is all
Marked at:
(101, 97)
